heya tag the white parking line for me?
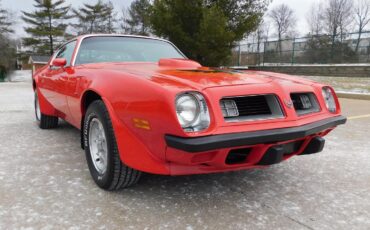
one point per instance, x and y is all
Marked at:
(358, 117)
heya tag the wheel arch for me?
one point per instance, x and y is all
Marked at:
(34, 84)
(88, 97)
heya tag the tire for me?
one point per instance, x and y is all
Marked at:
(105, 165)
(44, 121)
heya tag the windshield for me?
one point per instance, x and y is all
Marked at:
(124, 49)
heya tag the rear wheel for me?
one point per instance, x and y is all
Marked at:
(101, 150)
(44, 121)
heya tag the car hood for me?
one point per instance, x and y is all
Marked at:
(197, 77)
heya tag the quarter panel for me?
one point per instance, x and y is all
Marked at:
(45, 106)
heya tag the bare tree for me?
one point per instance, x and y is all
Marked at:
(267, 28)
(337, 17)
(260, 35)
(315, 18)
(284, 20)
(362, 17)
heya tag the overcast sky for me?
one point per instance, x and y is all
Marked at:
(300, 7)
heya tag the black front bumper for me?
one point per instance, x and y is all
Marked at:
(207, 143)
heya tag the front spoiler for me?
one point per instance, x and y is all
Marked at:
(207, 143)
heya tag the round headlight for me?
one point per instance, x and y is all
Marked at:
(192, 112)
(329, 99)
(187, 108)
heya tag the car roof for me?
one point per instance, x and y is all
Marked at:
(118, 35)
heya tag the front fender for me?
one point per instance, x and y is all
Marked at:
(132, 151)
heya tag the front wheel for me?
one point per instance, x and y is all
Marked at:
(44, 121)
(102, 153)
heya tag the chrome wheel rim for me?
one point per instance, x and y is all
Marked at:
(37, 107)
(98, 146)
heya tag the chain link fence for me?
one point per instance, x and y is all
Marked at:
(351, 48)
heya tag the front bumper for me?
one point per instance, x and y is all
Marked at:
(214, 142)
(247, 150)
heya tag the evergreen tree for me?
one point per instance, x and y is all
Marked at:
(46, 25)
(111, 19)
(206, 30)
(7, 45)
(138, 18)
(5, 23)
(96, 18)
(8, 53)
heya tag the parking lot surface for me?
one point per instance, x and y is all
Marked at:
(45, 183)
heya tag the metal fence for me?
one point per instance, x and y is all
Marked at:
(319, 49)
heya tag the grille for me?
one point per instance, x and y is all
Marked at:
(305, 103)
(257, 107)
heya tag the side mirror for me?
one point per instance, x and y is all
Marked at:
(59, 62)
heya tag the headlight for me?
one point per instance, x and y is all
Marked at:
(329, 99)
(192, 112)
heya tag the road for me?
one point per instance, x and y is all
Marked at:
(45, 183)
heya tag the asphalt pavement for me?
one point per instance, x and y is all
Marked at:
(45, 183)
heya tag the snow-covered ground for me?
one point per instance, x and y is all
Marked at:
(345, 84)
(20, 75)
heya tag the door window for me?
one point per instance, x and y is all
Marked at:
(67, 52)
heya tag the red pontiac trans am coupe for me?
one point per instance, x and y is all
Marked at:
(142, 106)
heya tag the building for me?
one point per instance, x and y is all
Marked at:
(37, 61)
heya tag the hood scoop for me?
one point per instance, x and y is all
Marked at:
(178, 63)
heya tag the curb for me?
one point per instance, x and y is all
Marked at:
(356, 96)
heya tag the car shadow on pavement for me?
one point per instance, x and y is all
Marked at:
(228, 181)
(194, 187)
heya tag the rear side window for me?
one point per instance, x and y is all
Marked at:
(67, 52)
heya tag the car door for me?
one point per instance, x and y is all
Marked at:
(55, 80)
